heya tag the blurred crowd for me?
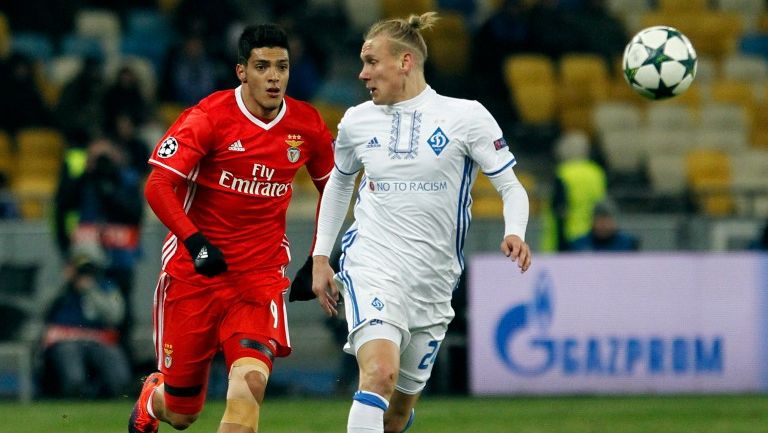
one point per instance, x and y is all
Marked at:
(90, 85)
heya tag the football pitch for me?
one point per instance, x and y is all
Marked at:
(607, 414)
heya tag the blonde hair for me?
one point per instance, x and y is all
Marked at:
(405, 33)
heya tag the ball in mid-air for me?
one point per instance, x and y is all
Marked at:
(659, 62)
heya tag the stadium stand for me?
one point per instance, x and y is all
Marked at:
(708, 175)
(532, 84)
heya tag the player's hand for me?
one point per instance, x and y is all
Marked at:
(517, 250)
(208, 259)
(301, 287)
(324, 286)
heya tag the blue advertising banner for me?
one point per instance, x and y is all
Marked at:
(618, 323)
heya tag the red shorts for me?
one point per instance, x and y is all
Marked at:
(191, 326)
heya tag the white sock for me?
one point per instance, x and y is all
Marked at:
(367, 413)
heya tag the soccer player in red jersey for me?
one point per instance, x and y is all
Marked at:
(221, 182)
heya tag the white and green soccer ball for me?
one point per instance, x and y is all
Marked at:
(659, 62)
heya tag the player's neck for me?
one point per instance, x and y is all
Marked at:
(413, 88)
(262, 113)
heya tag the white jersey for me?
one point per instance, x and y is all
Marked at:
(420, 159)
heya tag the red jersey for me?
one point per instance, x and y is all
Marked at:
(239, 172)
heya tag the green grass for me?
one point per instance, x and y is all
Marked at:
(678, 414)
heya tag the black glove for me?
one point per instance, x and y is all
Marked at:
(207, 258)
(301, 287)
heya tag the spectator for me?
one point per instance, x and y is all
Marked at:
(207, 19)
(601, 32)
(79, 110)
(605, 234)
(124, 97)
(504, 33)
(99, 202)
(760, 243)
(81, 354)
(305, 74)
(551, 29)
(9, 204)
(191, 73)
(124, 132)
(579, 185)
(22, 103)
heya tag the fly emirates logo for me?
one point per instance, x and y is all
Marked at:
(260, 184)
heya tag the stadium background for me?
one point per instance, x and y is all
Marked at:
(688, 174)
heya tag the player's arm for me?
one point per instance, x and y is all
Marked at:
(160, 193)
(490, 150)
(515, 209)
(333, 210)
(319, 167)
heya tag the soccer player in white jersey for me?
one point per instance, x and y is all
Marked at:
(420, 153)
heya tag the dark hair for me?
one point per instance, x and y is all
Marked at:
(258, 36)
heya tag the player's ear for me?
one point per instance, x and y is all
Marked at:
(240, 71)
(406, 62)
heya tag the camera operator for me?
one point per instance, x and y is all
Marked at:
(80, 342)
(100, 203)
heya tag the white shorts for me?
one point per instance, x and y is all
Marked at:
(374, 311)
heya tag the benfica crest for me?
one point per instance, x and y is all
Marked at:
(294, 141)
(168, 351)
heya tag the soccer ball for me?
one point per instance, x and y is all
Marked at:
(659, 62)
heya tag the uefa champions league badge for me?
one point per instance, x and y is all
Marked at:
(294, 141)
(168, 148)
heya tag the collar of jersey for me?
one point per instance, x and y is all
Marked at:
(412, 103)
(254, 119)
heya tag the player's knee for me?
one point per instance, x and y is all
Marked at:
(379, 378)
(181, 421)
(256, 382)
(247, 382)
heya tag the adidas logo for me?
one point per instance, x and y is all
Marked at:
(237, 146)
(203, 254)
(373, 143)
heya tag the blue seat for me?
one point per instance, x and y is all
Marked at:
(148, 47)
(755, 44)
(146, 23)
(82, 46)
(33, 45)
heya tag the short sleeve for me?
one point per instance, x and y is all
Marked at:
(346, 159)
(185, 142)
(486, 142)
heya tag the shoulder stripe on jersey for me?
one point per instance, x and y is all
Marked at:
(507, 165)
(254, 119)
(167, 167)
